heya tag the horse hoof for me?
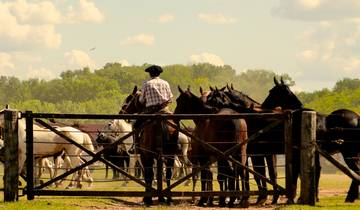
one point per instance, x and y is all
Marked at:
(161, 200)
(275, 199)
(349, 200)
(290, 201)
(261, 201)
(200, 204)
(170, 203)
(244, 203)
(231, 205)
(222, 204)
(148, 202)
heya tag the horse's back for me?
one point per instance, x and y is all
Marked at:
(221, 133)
(344, 118)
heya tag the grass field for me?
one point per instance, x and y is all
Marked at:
(333, 188)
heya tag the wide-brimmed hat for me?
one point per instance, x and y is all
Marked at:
(154, 69)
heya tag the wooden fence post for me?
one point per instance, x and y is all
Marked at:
(307, 158)
(11, 143)
(29, 156)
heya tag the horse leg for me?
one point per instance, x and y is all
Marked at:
(258, 163)
(245, 184)
(231, 173)
(194, 180)
(295, 176)
(221, 179)
(169, 166)
(86, 175)
(106, 171)
(203, 178)
(209, 186)
(131, 165)
(126, 160)
(148, 163)
(317, 174)
(74, 161)
(271, 163)
(38, 173)
(353, 192)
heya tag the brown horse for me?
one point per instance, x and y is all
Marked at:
(222, 134)
(149, 144)
(242, 103)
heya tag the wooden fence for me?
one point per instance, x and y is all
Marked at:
(11, 150)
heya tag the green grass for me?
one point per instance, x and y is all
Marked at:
(331, 202)
(333, 188)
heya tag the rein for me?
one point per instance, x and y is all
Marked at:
(123, 110)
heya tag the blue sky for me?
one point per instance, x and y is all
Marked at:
(316, 42)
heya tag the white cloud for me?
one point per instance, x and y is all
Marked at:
(216, 18)
(315, 10)
(308, 55)
(143, 39)
(84, 11)
(311, 4)
(43, 12)
(6, 63)
(207, 58)
(164, 18)
(78, 59)
(124, 62)
(40, 73)
(18, 32)
(352, 65)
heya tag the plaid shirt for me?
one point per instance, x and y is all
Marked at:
(155, 91)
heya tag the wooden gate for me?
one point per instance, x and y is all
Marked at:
(31, 190)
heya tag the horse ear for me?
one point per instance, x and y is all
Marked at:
(222, 89)
(232, 87)
(276, 81)
(201, 91)
(135, 90)
(282, 81)
(211, 88)
(180, 90)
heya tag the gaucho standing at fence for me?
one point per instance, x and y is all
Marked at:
(153, 98)
(155, 95)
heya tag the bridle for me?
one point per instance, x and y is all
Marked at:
(126, 105)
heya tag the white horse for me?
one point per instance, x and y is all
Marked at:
(47, 143)
(120, 127)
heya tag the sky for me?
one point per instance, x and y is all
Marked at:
(316, 42)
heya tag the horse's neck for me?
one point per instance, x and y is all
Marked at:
(124, 126)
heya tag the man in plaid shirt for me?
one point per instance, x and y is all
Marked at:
(155, 92)
(156, 95)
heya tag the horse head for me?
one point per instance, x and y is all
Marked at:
(281, 96)
(189, 103)
(132, 104)
(240, 98)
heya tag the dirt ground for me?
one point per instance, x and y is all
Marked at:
(182, 203)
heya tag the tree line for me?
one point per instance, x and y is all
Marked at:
(102, 91)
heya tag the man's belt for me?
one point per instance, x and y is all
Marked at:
(155, 108)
